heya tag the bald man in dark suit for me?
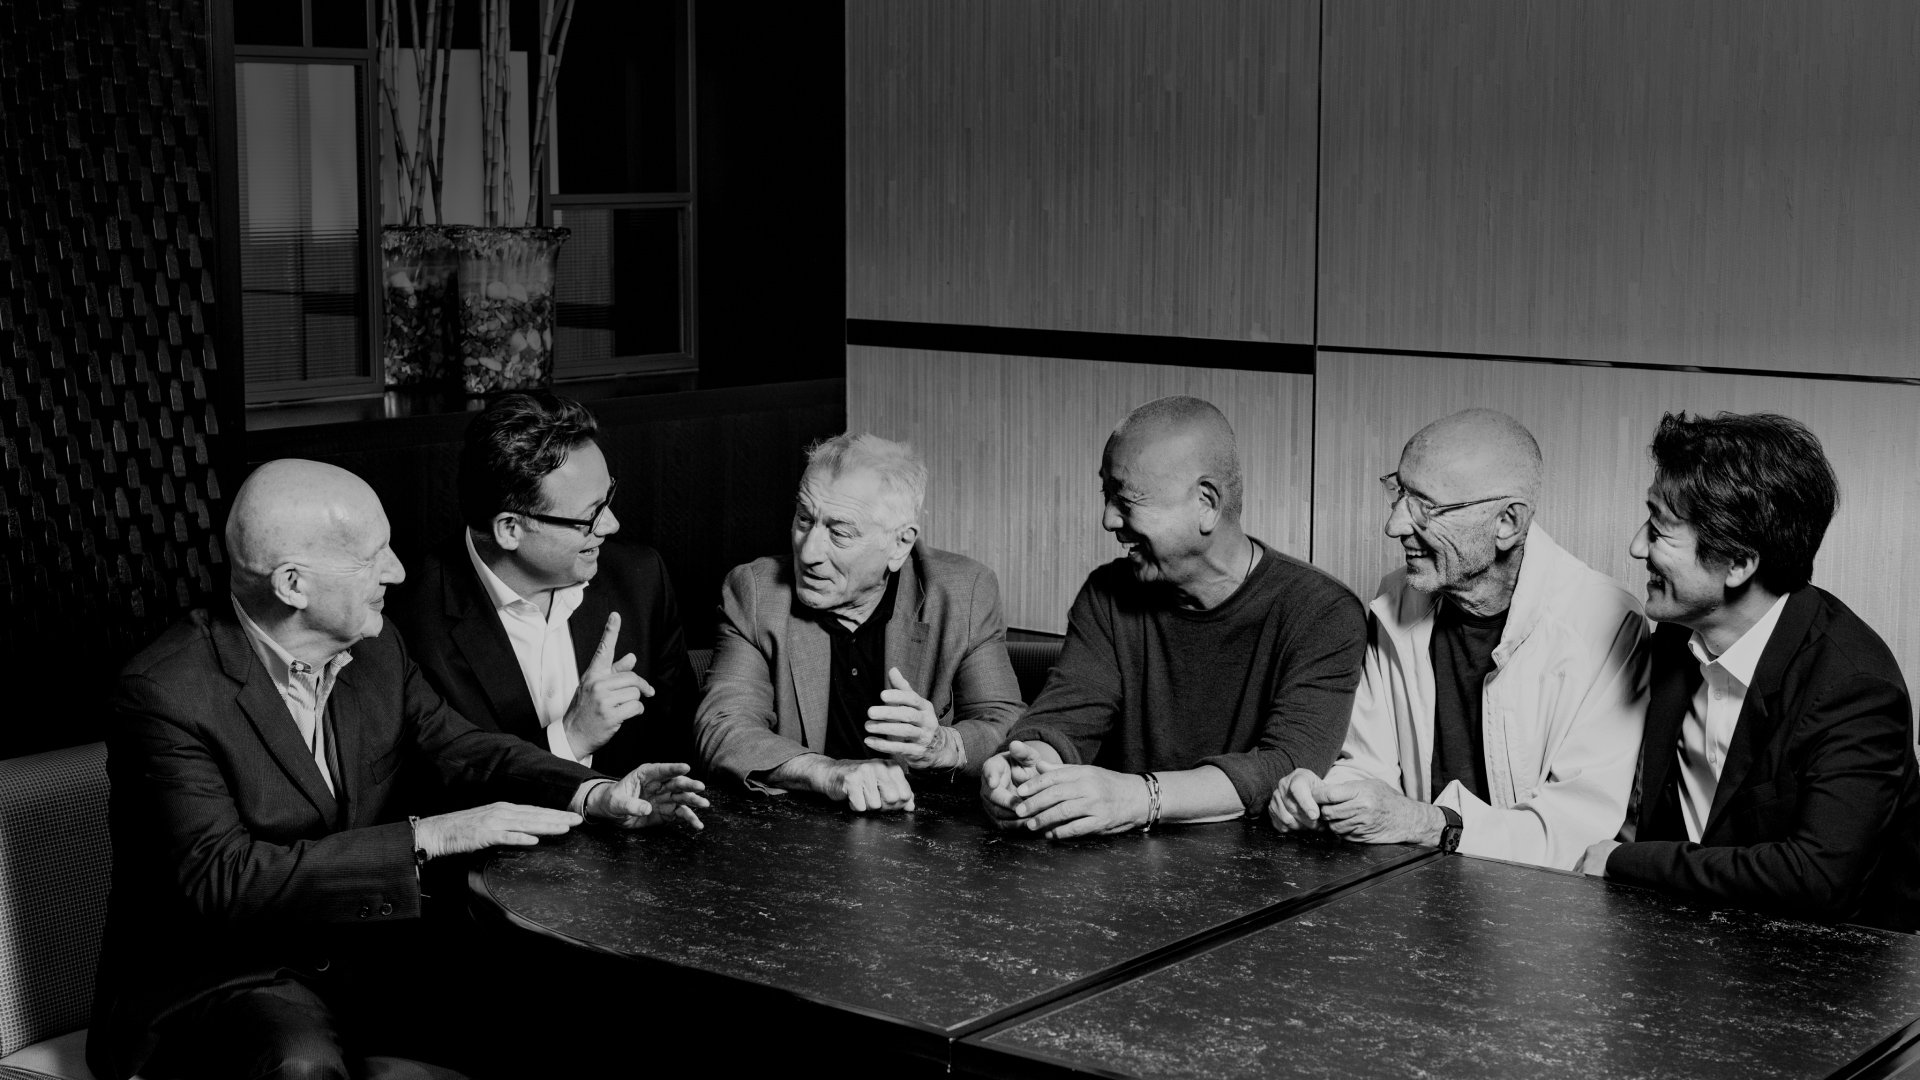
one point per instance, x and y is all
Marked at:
(266, 843)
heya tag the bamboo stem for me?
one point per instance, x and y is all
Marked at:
(550, 78)
(506, 111)
(427, 63)
(486, 128)
(389, 72)
(535, 173)
(436, 163)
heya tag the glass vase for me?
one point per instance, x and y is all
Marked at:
(418, 266)
(506, 280)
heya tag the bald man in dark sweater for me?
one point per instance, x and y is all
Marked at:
(1198, 670)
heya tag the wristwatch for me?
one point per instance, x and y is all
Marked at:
(1450, 832)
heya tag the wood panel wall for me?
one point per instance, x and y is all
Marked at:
(1012, 445)
(1063, 164)
(1509, 199)
(1593, 425)
(1726, 183)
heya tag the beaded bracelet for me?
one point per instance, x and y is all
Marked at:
(1153, 801)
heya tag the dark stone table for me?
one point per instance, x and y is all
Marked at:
(1472, 968)
(903, 931)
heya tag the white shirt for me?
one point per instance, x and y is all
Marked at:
(542, 645)
(1708, 729)
(303, 689)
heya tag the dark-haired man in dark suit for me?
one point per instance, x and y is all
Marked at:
(535, 620)
(1777, 770)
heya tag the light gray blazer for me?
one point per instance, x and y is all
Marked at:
(766, 697)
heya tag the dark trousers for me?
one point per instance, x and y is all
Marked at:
(382, 996)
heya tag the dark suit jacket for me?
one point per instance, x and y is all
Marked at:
(457, 639)
(1817, 801)
(766, 700)
(231, 860)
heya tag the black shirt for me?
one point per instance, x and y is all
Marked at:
(1462, 655)
(858, 672)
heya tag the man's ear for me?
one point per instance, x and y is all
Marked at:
(1207, 490)
(289, 585)
(507, 531)
(1510, 524)
(1741, 569)
(902, 545)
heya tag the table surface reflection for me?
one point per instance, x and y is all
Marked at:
(1466, 967)
(930, 918)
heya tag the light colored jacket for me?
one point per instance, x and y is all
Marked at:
(766, 699)
(1561, 712)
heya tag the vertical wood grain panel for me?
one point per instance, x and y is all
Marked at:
(1725, 183)
(1144, 166)
(1013, 447)
(1593, 425)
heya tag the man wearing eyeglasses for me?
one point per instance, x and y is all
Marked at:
(534, 620)
(1500, 709)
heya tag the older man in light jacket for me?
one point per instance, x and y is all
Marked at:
(1500, 708)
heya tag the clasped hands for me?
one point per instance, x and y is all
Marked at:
(1366, 811)
(652, 794)
(1027, 787)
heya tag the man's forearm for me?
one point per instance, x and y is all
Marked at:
(1202, 794)
(802, 773)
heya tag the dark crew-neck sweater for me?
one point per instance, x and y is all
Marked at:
(1257, 687)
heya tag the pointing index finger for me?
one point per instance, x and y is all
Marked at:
(603, 653)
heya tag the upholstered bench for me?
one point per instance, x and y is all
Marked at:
(55, 868)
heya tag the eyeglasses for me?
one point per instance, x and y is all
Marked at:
(586, 524)
(1422, 510)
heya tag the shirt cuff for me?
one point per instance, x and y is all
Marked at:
(581, 794)
(562, 748)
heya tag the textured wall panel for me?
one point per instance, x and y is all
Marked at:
(1725, 183)
(1013, 444)
(1593, 425)
(1131, 167)
(108, 495)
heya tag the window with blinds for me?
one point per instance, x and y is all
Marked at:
(621, 304)
(303, 245)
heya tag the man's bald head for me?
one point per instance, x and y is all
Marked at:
(1479, 452)
(297, 511)
(1184, 438)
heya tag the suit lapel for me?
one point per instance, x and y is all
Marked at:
(588, 622)
(809, 663)
(347, 717)
(1760, 714)
(908, 634)
(267, 712)
(1675, 678)
(483, 643)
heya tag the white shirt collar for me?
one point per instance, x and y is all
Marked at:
(281, 664)
(502, 594)
(1743, 657)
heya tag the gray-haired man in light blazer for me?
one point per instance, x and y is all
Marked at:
(864, 657)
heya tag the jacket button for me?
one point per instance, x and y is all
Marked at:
(386, 909)
(363, 911)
